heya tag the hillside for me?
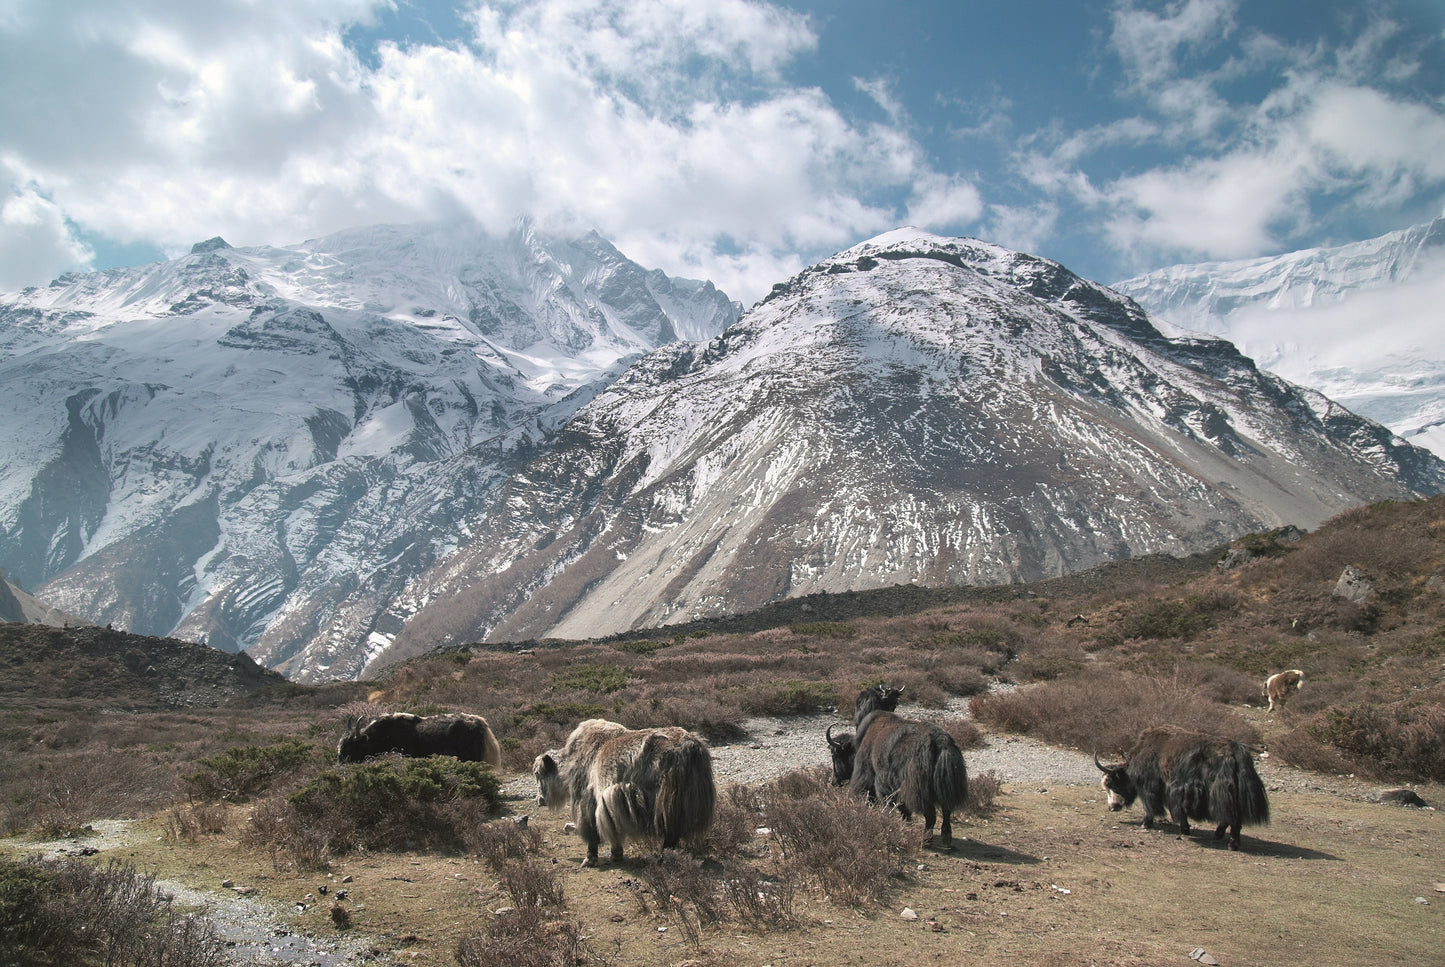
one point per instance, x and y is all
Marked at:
(1077, 663)
(89, 667)
(916, 409)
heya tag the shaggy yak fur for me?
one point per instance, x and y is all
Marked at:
(1277, 686)
(624, 783)
(468, 737)
(1201, 777)
(912, 765)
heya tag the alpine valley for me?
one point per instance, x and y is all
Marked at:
(344, 453)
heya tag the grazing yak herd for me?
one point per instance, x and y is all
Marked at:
(657, 783)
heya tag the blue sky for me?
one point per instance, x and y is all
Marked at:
(735, 140)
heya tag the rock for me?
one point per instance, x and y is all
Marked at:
(1354, 586)
(1202, 956)
(1234, 557)
(908, 914)
(1403, 797)
(228, 884)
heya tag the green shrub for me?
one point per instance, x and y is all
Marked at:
(241, 773)
(788, 698)
(558, 713)
(1170, 619)
(382, 804)
(642, 646)
(589, 678)
(824, 629)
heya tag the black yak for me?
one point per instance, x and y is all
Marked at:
(468, 737)
(1200, 777)
(875, 698)
(624, 783)
(1277, 686)
(912, 765)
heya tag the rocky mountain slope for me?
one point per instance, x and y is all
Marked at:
(1361, 323)
(261, 447)
(915, 408)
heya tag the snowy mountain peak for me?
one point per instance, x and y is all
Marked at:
(1358, 322)
(261, 445)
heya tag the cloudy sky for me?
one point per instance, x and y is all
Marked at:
(736, 140)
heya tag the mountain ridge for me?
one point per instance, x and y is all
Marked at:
(876, 420)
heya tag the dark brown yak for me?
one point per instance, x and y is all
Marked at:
(1201, 777)
(912, 765)
(875, 698)
(468, 737)
(624, 783)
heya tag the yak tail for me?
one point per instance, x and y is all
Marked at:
(491, 749)
(1237, 788)
(686, 794)
(950, 775)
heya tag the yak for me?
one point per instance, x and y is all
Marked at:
(624, 783)
(875, 698)
(468, 737)
(1199, 776)
(915, 766)
(1277, 686)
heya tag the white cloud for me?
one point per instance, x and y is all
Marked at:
(655, 119)
(35, 242)
(944, 203)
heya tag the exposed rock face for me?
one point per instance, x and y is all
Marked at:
(259, 448)
(914, 409)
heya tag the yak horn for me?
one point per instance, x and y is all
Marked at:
(1098, 763)
(829, 735)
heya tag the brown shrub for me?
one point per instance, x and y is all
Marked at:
(853, 851)
(1400, 740)
(1106, 712)
(527, 937)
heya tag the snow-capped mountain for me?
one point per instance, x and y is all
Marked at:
(261, 447)
(915, 408)
(1362, 323)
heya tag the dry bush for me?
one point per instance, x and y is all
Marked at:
(65, 911)
(964, 732)
(686, 893)
(734, 825)
(853, 851)
(761, 900)
(61, 794)
(983, 789)
(1301, 749)
(1106, 712)
(189, 823)
(527, 937)
(502, 840)
(1399, 740)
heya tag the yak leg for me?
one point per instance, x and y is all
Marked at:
(928, 819)
(946, 830)
(587, 828)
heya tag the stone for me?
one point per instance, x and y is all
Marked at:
(908, 914)
(1354, 586)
